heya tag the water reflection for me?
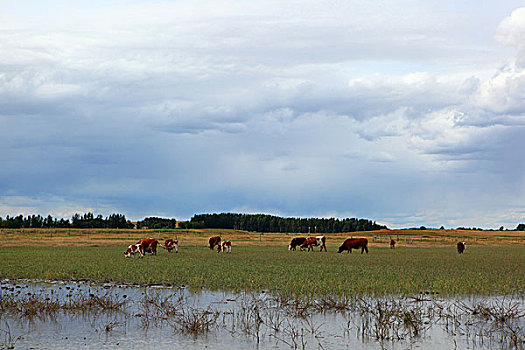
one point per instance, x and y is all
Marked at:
(65, 315)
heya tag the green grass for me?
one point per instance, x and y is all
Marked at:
(481, 270)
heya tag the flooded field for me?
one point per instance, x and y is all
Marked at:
(65, 315)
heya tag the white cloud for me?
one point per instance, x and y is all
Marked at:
(504, 93)
(511, 32)
(55, 206)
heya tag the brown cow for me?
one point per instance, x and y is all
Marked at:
(312, 242)
(461, 247)
(171, 244)
(145, 245)
(225, 246)
(214, 241)
(354, 243)
(392, 244)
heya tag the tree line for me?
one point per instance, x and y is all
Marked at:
(87, 220)
(247, 222)
(270, 223)
(157, 223)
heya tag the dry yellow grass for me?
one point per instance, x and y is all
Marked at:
(113, 237)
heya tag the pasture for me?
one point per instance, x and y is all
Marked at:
(263, 265)
(381, 238)
(279, 298)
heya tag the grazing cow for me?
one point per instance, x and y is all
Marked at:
(297, 241)
(321, 241)
(461, 247)
(214, 241)
(225, 246)
(145, 245)
(392, 244)
(354, 243)
(171, 244)
(133, 249)
(312, 242)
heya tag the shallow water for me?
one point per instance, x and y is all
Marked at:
(158, 317)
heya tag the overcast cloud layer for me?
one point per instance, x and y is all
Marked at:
(402, 112)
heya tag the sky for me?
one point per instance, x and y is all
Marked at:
(408, 113)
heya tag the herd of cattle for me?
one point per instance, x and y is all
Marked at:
(149, 245)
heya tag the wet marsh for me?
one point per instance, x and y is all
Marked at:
(73, 314)
(481, 270)
(262, 297)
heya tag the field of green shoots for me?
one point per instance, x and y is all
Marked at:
(481, 270)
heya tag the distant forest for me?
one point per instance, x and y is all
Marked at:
(87, 220)
(247, 222)
(270, 223)
(157, 223)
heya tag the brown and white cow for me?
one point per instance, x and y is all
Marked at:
(213, 241)
(312, 242)
(171, 244)
(297, 241)
(133, 249)
(354, 243)
(461, 247)
(145, 245)
(225, 246)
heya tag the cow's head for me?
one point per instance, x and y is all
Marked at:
(464, 245)
(128, 252)
(132, 249)
(341, 248)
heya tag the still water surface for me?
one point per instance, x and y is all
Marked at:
(254, 320)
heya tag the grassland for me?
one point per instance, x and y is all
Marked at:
(404, 238)
(262, 262)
